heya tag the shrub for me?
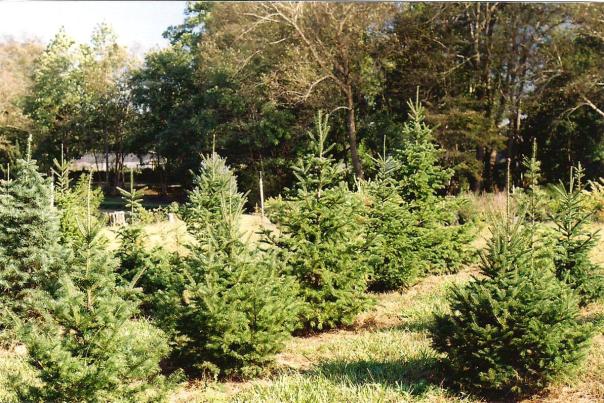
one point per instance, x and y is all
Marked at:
(515, 328)
(321, 238)
(238, 308)
(574, 242)
(84, 341)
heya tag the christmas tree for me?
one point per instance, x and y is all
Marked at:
(213, 185)
(321, 237)
(85, 342)
(238, 308)
(574, 241)
(440, 237)
(392, 252)
(515, 328)
(30, 256)
(68, 200)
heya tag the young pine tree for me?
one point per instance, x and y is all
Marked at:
(84, 341)
(575, 242)
(392, 252)
(133, 200)
(152, 270)
(321, 237)
(439, 236)
(515, 328)
(214, 185)
(30, 256)
(238, 308)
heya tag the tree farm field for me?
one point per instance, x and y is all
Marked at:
(301, 202)
(385, 356)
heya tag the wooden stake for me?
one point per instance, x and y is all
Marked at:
(261, 197)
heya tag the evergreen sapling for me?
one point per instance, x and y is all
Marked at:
(238, 307)
(574, 241)
(30, 256)
(321, 237)
(85, 342)
(516, 328)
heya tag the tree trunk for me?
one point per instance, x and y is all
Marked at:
(352, 135)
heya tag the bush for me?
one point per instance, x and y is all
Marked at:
(238, 308)
(320, 237)
(515, 328)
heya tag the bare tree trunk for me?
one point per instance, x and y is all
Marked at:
(352, 135)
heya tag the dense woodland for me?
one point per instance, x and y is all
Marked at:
(249, 78)
(367, 122)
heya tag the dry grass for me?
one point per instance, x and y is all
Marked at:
(174, 236)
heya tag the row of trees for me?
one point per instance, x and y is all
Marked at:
(493, 76)
(518, 327)
(96, 328)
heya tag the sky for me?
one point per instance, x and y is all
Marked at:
(138, 24)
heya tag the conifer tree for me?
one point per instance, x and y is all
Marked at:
(68, 200)
(238, 308)
(133, 199)
(515, 328)
(575, 241)
(213, 185)
(84, 341)
(441, 238)
(29, 229)
(392, 251)
(321, 237)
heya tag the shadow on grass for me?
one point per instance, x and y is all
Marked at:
(414, 376)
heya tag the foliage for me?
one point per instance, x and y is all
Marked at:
(156, 272)
(575, 241)
(321, 237)
(231, 307)
(68, 200)
(392, 252)
(133, 199)
(215, 184)
(439, 235)
(516, 327)
(84, 341)
(30, 256)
